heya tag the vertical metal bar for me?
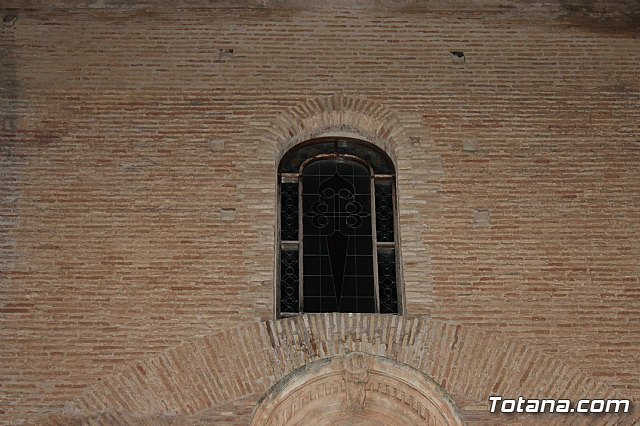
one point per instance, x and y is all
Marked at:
(396, 248)
(374, 239)
(278, 236)
(300, 248)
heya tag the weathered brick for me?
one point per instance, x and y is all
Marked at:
(114, 248)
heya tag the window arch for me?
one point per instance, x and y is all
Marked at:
(337, 229)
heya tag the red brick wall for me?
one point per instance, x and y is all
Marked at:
(112, 246)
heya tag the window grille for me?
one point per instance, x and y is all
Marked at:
(337, 229)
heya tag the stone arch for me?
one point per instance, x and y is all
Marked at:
(356, 388)
(244, 362)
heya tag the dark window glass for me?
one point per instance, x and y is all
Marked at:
(295, 158)
(379, 163)
(337, 240)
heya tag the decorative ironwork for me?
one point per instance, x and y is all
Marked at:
(384, 212)
(337, 241)
(387, 282)
(289, 212)
(289, 282)
(326, 222)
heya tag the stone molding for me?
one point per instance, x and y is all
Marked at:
(356, 386)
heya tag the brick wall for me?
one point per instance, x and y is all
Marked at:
(519, 201)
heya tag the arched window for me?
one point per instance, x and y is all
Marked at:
(337, 236)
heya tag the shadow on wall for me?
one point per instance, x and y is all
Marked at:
(608, 17)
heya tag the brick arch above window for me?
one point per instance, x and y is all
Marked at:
(246, 361)
(337, 115)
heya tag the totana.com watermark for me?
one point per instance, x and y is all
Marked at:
(522, 405)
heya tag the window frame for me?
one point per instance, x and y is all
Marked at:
(377, 246)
